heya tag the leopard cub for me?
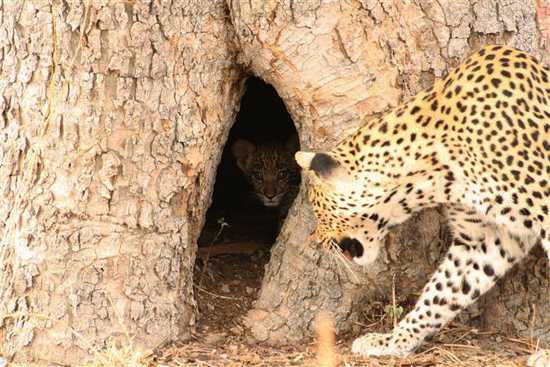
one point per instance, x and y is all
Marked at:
(271, 170)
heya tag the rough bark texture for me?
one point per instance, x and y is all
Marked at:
(335, 64)
(113, 118)
(112, 114)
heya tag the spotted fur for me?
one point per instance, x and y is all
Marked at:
(477, 142)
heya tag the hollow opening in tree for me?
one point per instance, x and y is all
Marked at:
(256, 183)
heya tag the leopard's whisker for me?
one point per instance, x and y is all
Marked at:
(337, 253)
(329, 250)
(338, 261)
(347, 266)
(334, 260)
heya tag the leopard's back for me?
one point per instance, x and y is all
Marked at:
(487, 126)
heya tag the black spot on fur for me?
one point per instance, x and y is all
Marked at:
(466, 286)
(496, 82)
(414, 110)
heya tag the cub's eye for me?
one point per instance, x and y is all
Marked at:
(282, 175)
(257, 176)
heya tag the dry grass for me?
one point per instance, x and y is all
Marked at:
(458, 346)
(120, 356)
(455, 346)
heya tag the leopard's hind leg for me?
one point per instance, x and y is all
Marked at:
(480, 253)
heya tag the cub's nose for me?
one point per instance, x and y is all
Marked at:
(270, 191)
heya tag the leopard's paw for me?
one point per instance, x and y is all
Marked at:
(379, 345)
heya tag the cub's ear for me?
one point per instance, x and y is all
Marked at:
(242, 151)
(325, 166)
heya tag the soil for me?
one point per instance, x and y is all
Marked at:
(231, 283)
(233, 251)
(226, 289)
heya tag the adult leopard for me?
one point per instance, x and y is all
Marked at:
(477, 142)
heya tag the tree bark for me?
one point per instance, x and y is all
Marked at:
(113, 119)
(113, 114)
(336, 64)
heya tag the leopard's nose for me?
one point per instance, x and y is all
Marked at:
(270, 194)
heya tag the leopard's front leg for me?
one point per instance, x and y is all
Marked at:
(480, 253)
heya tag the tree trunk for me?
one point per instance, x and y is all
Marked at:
(112, 118)
(337, 64)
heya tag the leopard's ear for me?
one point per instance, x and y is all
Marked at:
(323, 165)
(242, 150)
(304, 159)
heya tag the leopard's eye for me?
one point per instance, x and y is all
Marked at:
(282, 175)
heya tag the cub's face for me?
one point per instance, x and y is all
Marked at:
(343, 218)
(269, 168)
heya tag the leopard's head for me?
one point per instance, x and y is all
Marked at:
(269, 168)
(341, 205)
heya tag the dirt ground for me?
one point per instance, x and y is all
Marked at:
(227, 289)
